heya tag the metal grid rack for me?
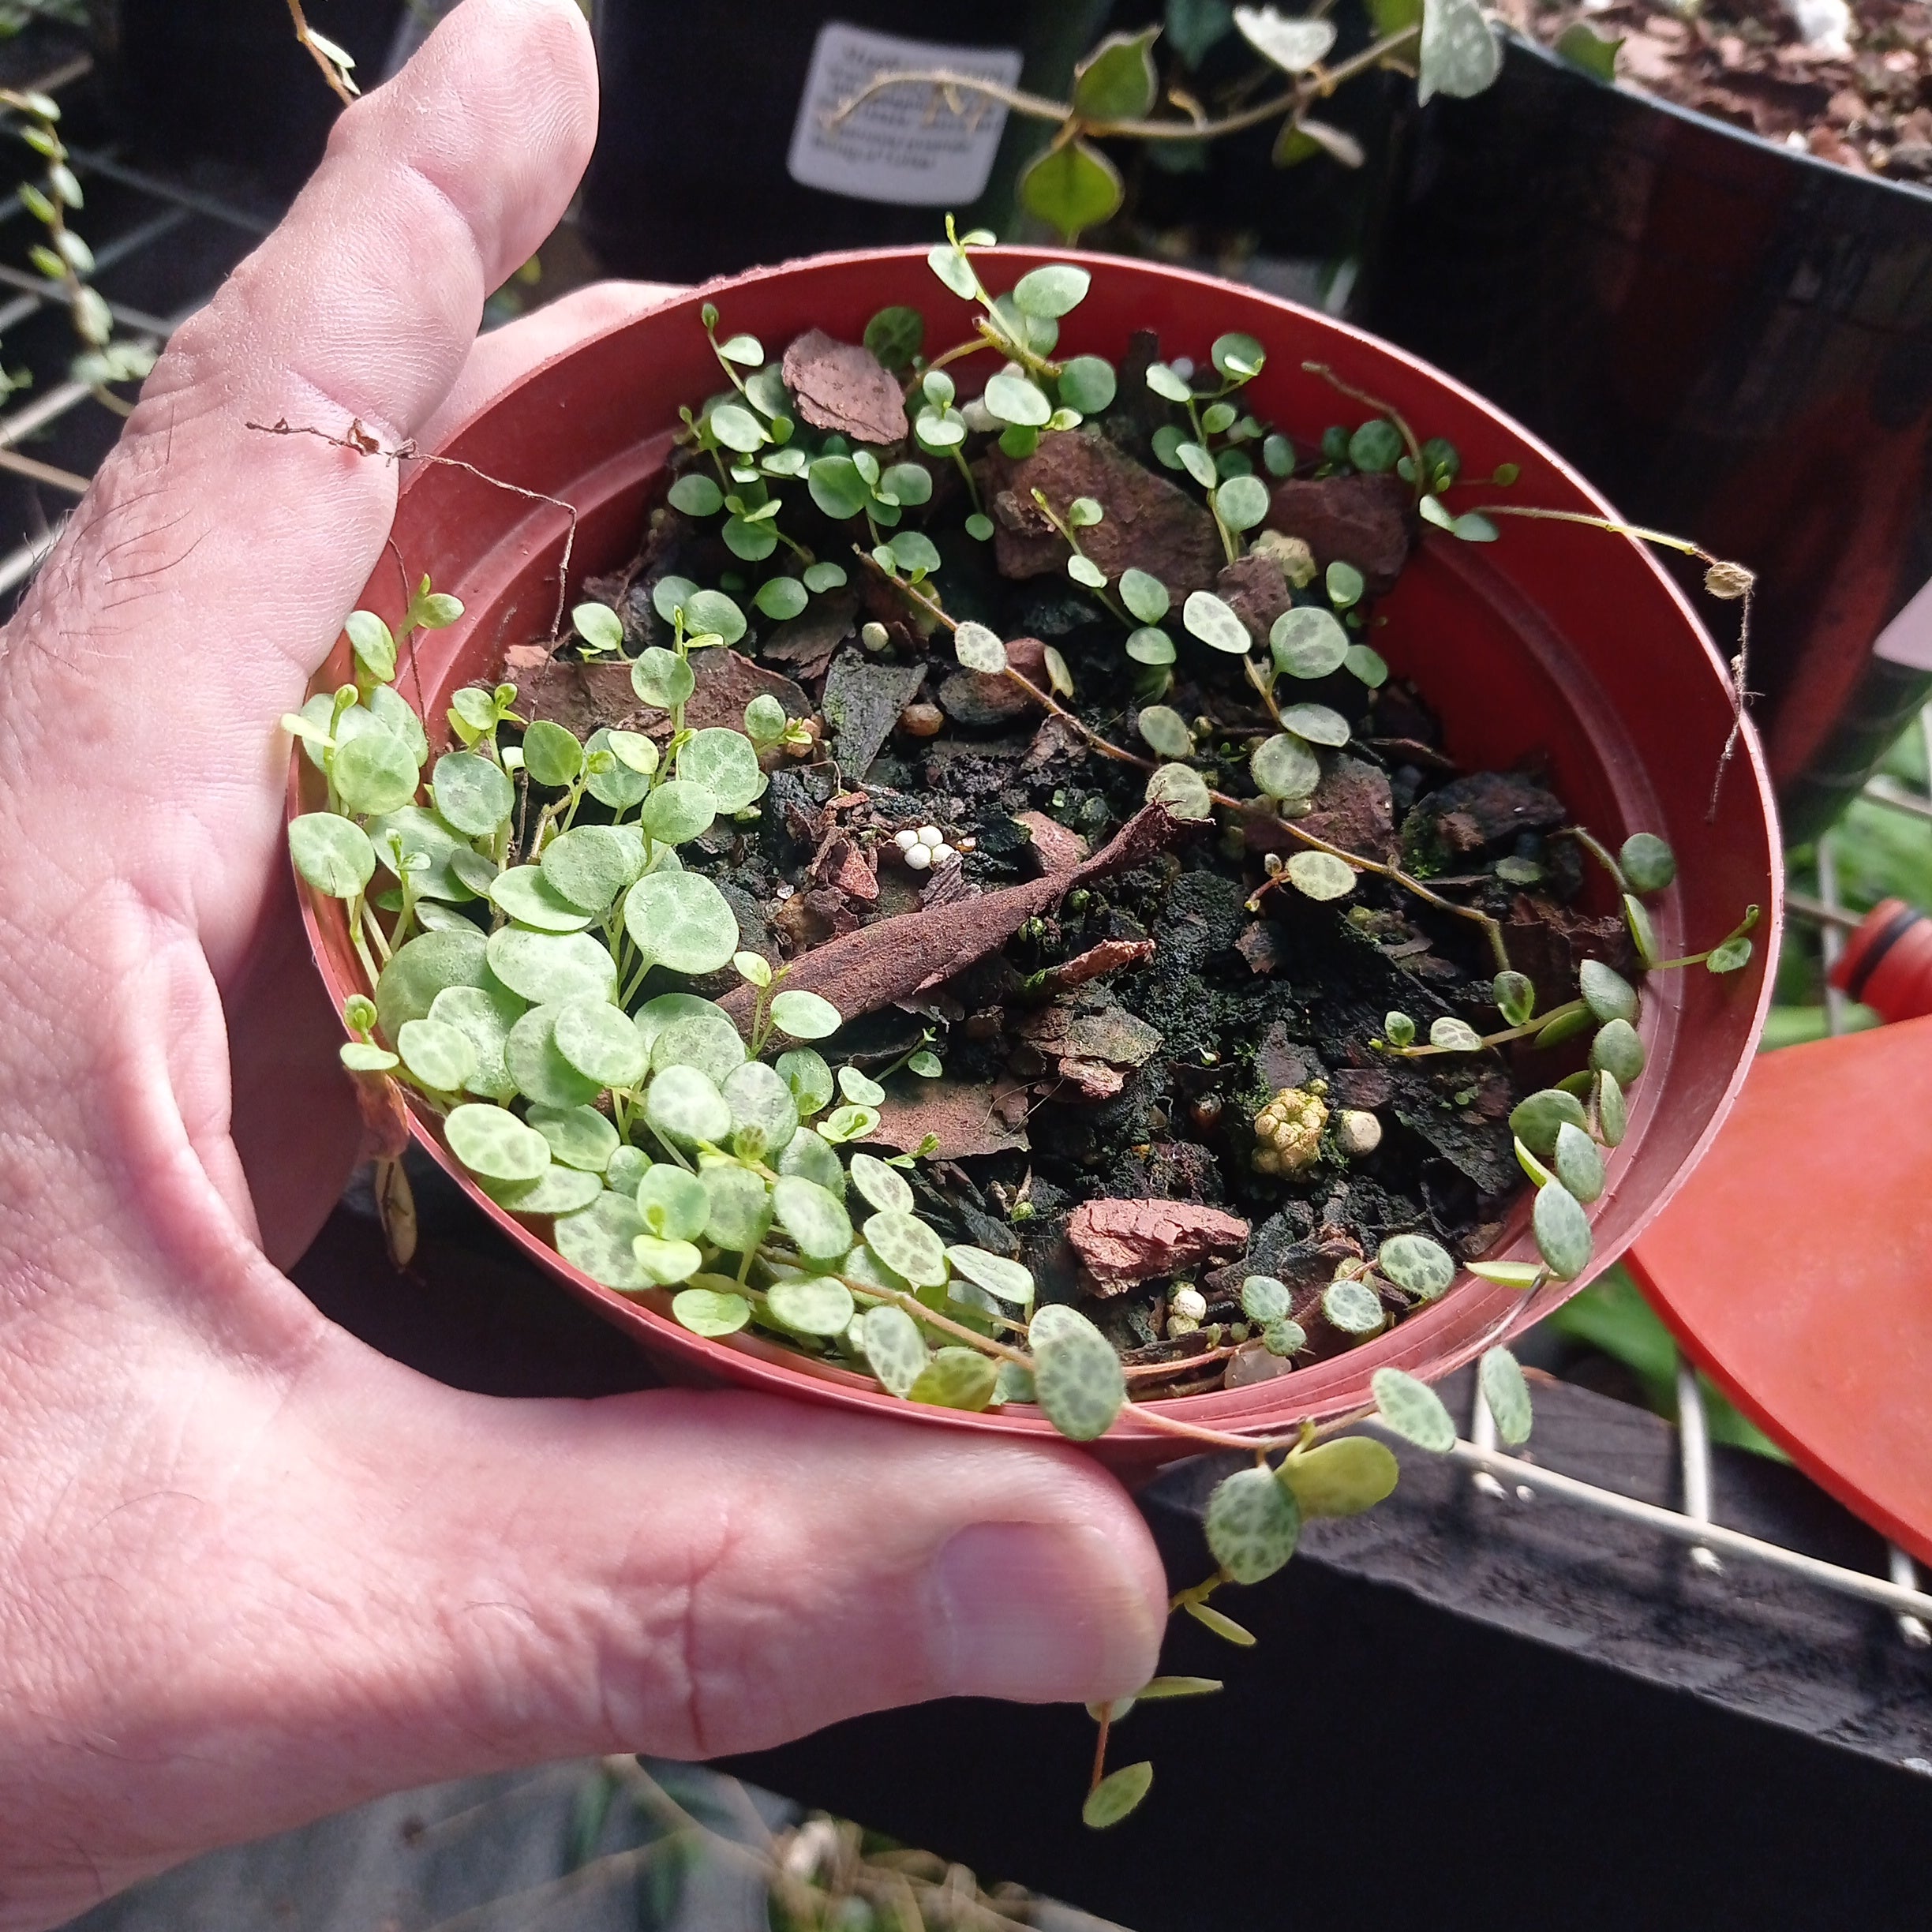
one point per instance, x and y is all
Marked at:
(162, 249)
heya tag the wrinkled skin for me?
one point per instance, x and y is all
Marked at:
(251, 1572)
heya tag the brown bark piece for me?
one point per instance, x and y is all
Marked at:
(985, 697)
(1150, 523)
(894, 958)
(843, 386)
(969, 1120)
(1362, 520)
(806, 643)
(1058, 847)
(1256, 590)
(1110, 955)
(1485, 809)
(1123, 1242)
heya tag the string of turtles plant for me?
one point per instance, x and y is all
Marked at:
(529, 934)
(1074, 185)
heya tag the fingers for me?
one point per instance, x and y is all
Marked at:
(422, 1585)
(506, 355)
(208, 569)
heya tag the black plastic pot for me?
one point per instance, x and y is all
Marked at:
(696, 173)
(1733, 340)
(225, 80)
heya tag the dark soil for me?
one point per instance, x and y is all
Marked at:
(1743, 60)
(1109, 1026)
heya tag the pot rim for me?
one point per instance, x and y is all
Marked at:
(1264, 1408)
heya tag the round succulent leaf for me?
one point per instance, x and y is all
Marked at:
(586, 867)
(626, 1168)
(1565, 1026)
(1052, 291)
(1011, 398)
(374, 774)
(1087, 384)
(894, 1349)
(1264, 1299)
(907, 1246)
(1284, 1338)
(421, 968)
(885, 1187)
(524, 894)
(1376, 447)
(1215, 622)
(600, 1042)
(1424, 1267)
(486, 1015)
(1647, 863)
(332, 853)
(621, 784)
(1507, 1393)
(1084, 569)
(454, 869)
(550, 968)
(685, 1105)
(696, 495)
(443, 1057)
(1561, 1230)
(672, 1203)
(723, 765)
(681, 920)
(809, 1156)
(738, 1207)
(1612, 1114)
(860, 1088)
(552, 755)
(1237, 356)
(713, 1312)
(578, 1137)
(764, 1115)
(1149, 645)
(539, 1069)
(1317, 724)
(1454, 1035)
(1308, 642)
(1253, 1523)
(1514, 994)
(1181, 791)
(781, 598)
(1285, 768)
(1165, 729)
(979, 648)
(555, 1191)
(1522, 1275)
(1320, 875)
(1118, 1794)
(681, 809)
(956, 1378)
(1619, 1049)
(1370, 666)
(1579, 1163)
(1144, 595)
(1353, 1308)
(1078, 1380)
(707, 1041)
(365, 1057)
(1010, 1280)
(1536, 1120)
(664, 1263)
(812, 1215)
(1607, 993)
(1414, 1411)
(896, 335)
(804, 1016)
(601, 1241)
(662, 678)
(1731, 955)
(804, 1070)
(1242, 502)
(1344, 584)
(1643, 932)
(493, 1143)
(810, 1305)
(1342, 1478)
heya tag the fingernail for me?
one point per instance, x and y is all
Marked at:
(1040, 1613)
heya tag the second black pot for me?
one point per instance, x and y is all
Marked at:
(1733, 340)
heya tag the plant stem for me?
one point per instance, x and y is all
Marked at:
(1498, 1039)
(342, 91)
(1381, 409)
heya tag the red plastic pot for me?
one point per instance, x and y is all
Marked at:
(1559, 642)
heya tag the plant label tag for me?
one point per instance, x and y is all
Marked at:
(902, 146)
(1908, 638)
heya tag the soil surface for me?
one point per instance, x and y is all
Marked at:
(1865, 105)
(1115, 994)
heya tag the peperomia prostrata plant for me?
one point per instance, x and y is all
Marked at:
(531, 932)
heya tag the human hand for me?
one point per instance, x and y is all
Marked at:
(250, 1571)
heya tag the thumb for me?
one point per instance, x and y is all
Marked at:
(208, 569)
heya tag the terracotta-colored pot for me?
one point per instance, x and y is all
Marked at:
(1558, 641)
